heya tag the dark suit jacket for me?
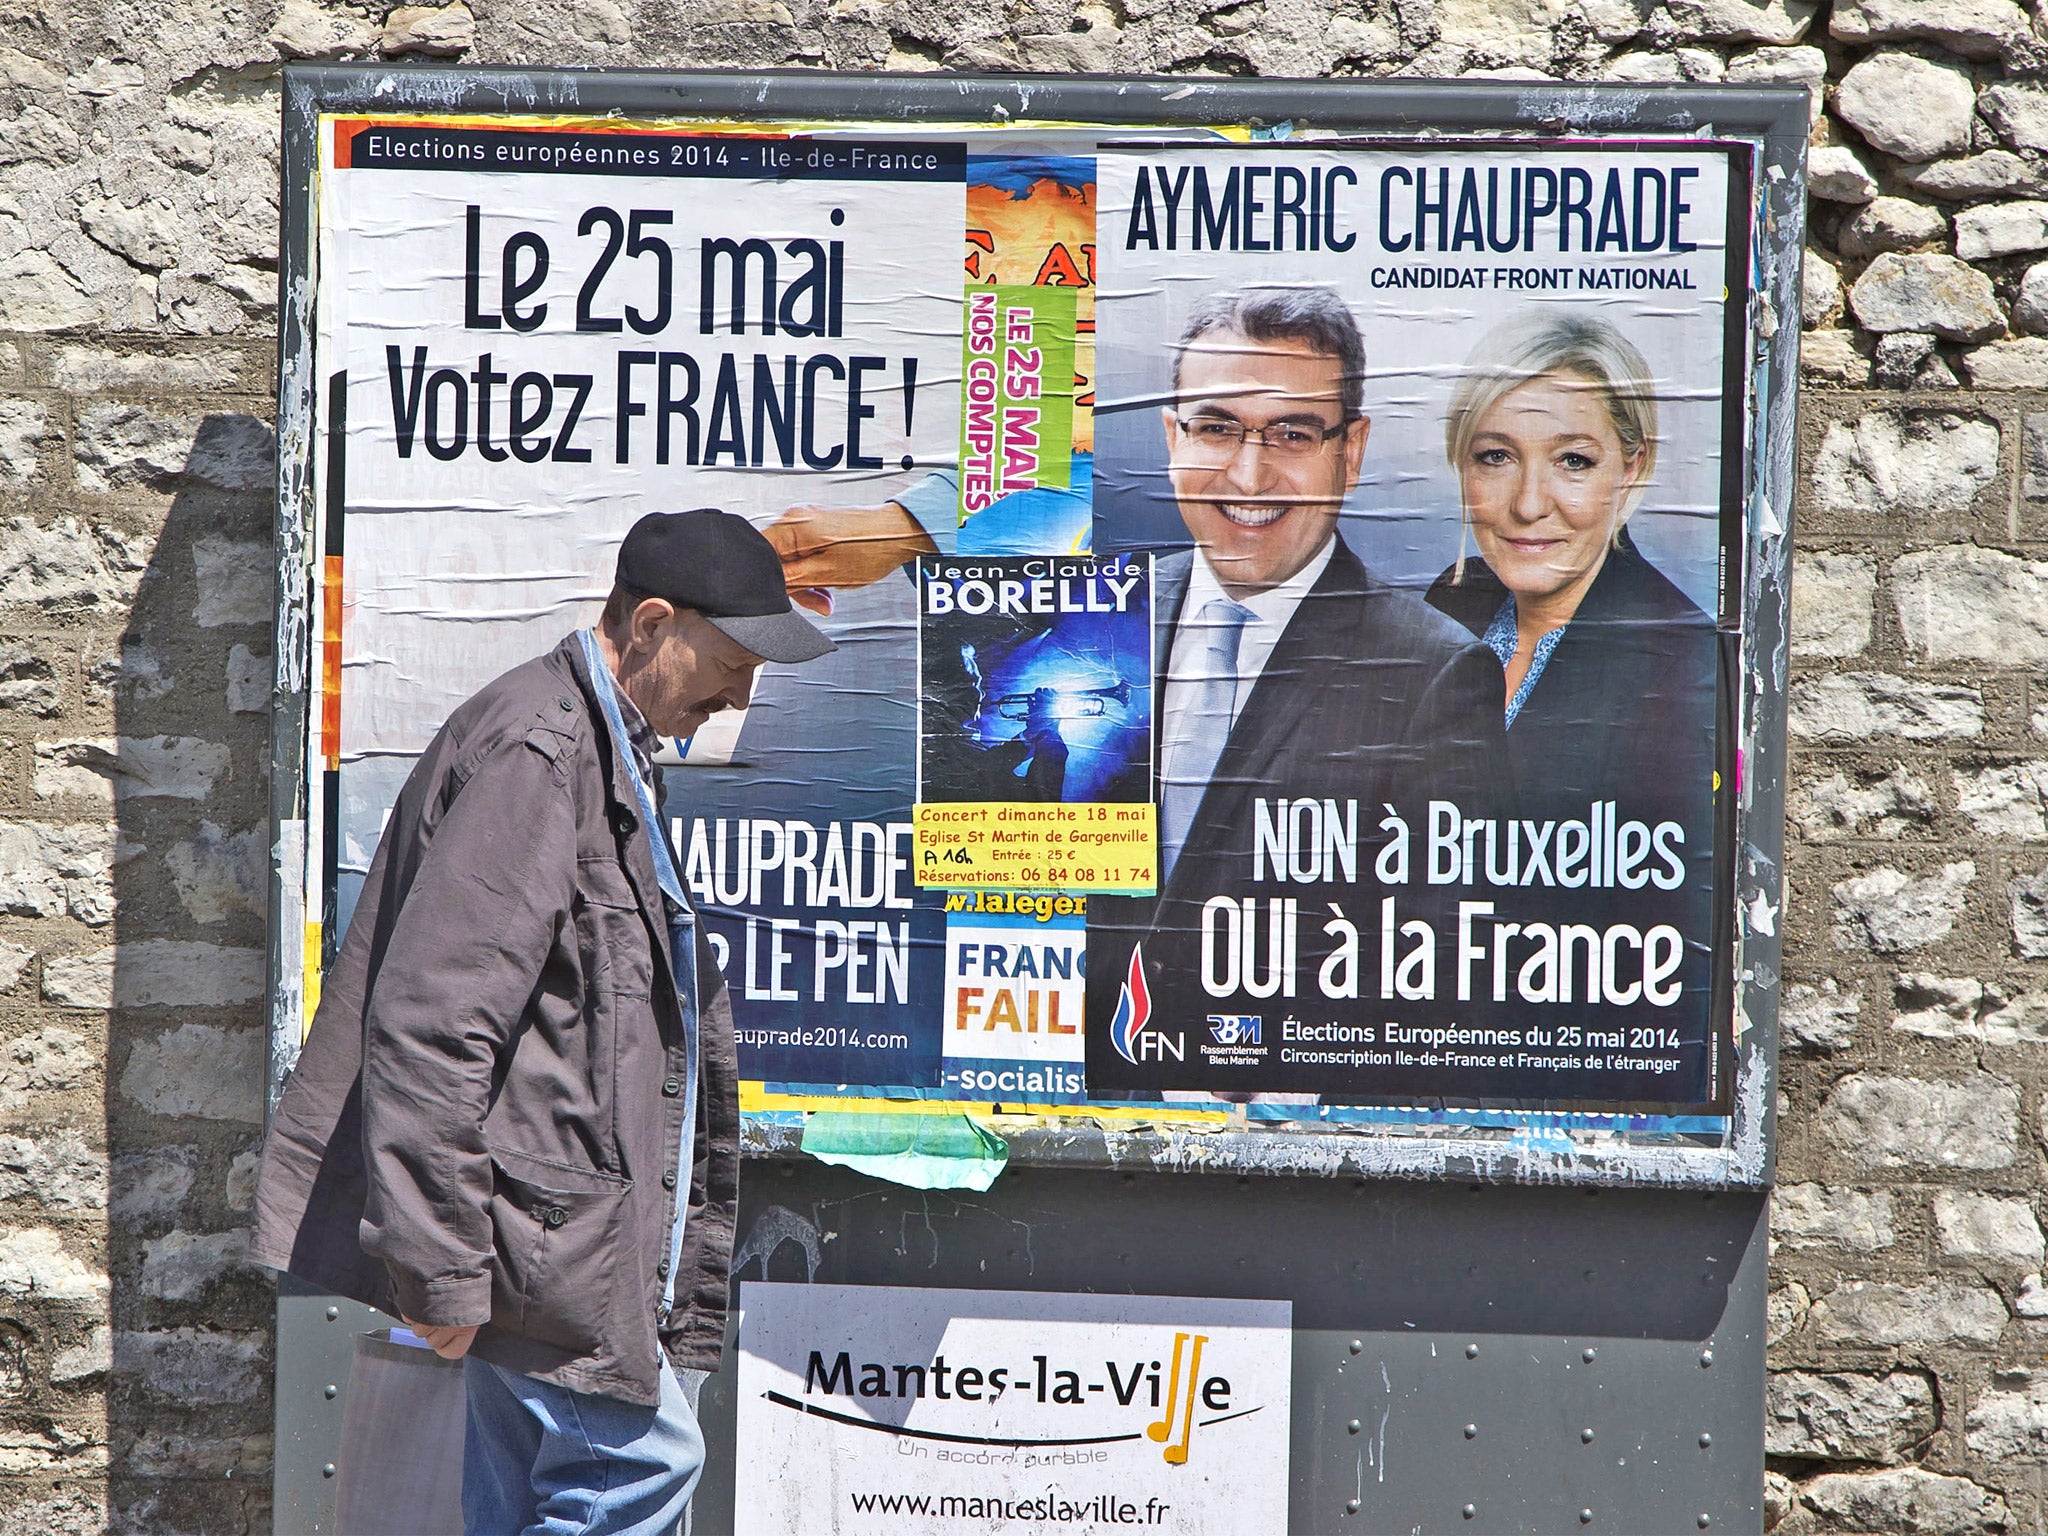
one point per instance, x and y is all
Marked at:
(1368, 696)
(1624, 709)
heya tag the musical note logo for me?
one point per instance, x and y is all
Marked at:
(1180, 1399)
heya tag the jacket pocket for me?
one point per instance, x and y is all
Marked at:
(556, 1232)
(617, 954)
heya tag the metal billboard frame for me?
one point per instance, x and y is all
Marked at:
(1774, 120)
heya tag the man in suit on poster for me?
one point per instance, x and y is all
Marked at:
(1284, 667)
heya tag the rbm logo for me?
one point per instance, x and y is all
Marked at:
(1236, 1028)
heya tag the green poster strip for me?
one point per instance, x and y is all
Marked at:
(922, 1151)
(1017, 405)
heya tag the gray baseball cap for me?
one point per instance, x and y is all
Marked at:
(720, 566)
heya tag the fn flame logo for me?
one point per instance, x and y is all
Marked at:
(1180, 1398)
(1130, 1030)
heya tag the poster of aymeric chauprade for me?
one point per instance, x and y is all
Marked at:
(1358, 527)
(1446, 444)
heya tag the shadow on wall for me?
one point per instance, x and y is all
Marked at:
(190, 1345)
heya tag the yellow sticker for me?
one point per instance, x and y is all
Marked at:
(1026, 846)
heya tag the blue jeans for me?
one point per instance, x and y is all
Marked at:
(541, 1460)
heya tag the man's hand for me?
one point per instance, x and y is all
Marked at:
(826, 547)
(448, 1343)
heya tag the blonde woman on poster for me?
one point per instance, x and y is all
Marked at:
(1608, 669)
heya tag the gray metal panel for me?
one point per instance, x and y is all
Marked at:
(1381, 106)
(316, 1340)
(291, 641)
(1467, 1306)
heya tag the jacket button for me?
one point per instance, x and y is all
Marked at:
(668, 1180)
(564, 702)
(555, 1216)
(623, 821)
(672, 1086)
(661, 1269)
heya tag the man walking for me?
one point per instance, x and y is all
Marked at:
(510, 1124)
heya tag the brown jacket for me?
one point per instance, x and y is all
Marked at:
(488, 1104)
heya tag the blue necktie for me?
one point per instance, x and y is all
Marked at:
(1204, 725)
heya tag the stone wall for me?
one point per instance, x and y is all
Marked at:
(137, 237)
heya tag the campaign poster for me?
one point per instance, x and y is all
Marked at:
(530, 332)
(1318, 561)
(900, 1411)
(1035, 723)
(601, 321)
(1438, 452)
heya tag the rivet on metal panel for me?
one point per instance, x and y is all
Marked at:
(331, 1390)
(1354, 1426)
(1471, 1431)
(1586, 1436)
(333, 1313)
(328, 1470)
(1357, 1345)
(1588, 1356)
(1585, 1517)
(1705, 1439)
(1470, 1510)
(1706, 1358)
(1471, 1351)
(1351, 1506)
